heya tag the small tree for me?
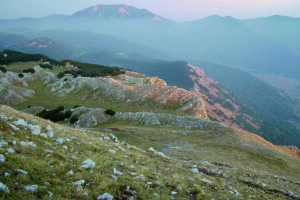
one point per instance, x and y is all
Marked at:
(3, 69)
(110, 112)
(20, 75)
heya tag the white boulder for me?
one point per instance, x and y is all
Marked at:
(4, 188)
(88, 163)
(106, 196)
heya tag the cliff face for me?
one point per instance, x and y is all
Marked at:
(220, 104)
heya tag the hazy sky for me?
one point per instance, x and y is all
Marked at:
(174, 9)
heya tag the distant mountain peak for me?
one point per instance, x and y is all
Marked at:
(116, 12)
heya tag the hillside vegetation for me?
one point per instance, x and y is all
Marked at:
(46, 160)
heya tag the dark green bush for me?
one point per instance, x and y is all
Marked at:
(68, 114)
(30, 70)
(74, 119)
(55, 115)
(20, 75)
(60, 74)
(110, 112)
(3, 69)
(46, 66)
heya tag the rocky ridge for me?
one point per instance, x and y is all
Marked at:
(129, 88)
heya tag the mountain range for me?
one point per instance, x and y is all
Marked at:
(134, 39)
(266, 45)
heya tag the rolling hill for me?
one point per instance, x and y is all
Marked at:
(157, 144)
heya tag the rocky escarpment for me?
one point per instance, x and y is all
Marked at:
(11, 94)
(93, 117)
(220, 104)
(130, 89)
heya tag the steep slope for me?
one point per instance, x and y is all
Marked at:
(273, 107)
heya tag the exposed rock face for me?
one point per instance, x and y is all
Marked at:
(92, 117)
(10, 94)
(131, 87)
(219, 103)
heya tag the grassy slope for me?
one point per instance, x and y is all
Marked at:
(166, 175)
(20, 66)
(47, 99)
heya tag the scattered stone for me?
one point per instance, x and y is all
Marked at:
(50, 131)
(10, 150)
(47, 184)
(22, 171)
(4, 188)
(13, 127)
(112, 151)
(106, 196)
(118, 173)
(50, 194)
(27, 144)
(151, 149)
(70, 172)
(86, 195)
(114, 177)
(3, 143)
(6, 174)
(21, 122)
(195, 171)
(31, 188)
(204, 180)
(59, 141)
(65, 147)
(191, 179)
(179, 188)
(79, 184)
(2, 158)
(173, 193)
(88, 163)
(35, 129)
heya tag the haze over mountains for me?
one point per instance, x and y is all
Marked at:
(261, 45)
(137, 39)
(115, 102)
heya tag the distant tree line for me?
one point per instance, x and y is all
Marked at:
(91, 70)
(9, 56)
(82, 69)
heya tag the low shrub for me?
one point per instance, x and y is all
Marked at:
(46, 66)
(30, 70)
(55, 115)
(20, 75)
(74, 119)
(3, 69)
(110, 112)
(60, 75)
